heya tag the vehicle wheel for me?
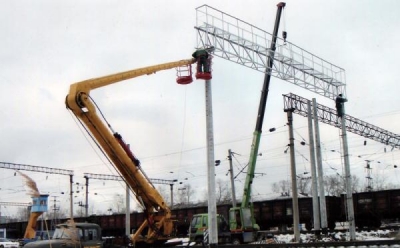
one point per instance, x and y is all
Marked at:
(198, 240)
(1, 246)
(236, 241)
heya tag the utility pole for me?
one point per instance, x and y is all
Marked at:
(230, 153)
(321, 190)
(86, 196)
(71, 198)
(295, 200)
(171, 188)
(316, 218)
(349, 190)
(55, 209)
(369, 178)
(212, 205)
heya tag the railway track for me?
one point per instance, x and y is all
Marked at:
(353, 244)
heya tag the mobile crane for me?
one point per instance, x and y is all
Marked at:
(158, 225)
(241, 219)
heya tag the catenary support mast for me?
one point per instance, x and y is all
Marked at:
(321, 189)
(212, 204)
(295, 201)
(349, 191)
(346, 123)
(316, 215)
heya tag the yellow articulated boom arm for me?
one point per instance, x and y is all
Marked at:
(79, 102)
(30, 231)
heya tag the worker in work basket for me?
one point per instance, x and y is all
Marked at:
(203, 66)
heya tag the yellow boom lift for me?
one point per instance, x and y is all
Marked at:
(158, 225)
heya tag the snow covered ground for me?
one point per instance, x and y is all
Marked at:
(305, 238)
(340, 236)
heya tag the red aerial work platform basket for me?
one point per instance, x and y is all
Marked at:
(184, 74)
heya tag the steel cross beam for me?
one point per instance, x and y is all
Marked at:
(21, 204)
(328, 115)
(48, 170)
(118, 178)
(240, 42)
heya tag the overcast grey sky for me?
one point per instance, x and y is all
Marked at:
(48, 45)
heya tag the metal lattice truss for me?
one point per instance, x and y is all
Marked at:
(20, 204)
(48, 170)
(118, 178)
(328, 115)
(247, 45)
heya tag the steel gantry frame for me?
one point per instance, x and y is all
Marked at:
(47, 170)
(248, 45)
(26, 167)
(119, 178)
(328, 115)
(245, 44)
(19, 204)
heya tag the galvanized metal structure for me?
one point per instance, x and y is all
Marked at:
(328, 115)
(42, 169)
(245, 44)
(119, 178)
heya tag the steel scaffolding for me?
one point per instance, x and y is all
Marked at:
(247, 45)
(328, 115)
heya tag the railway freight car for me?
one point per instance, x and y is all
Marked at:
(279, 212)
(372, 209)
